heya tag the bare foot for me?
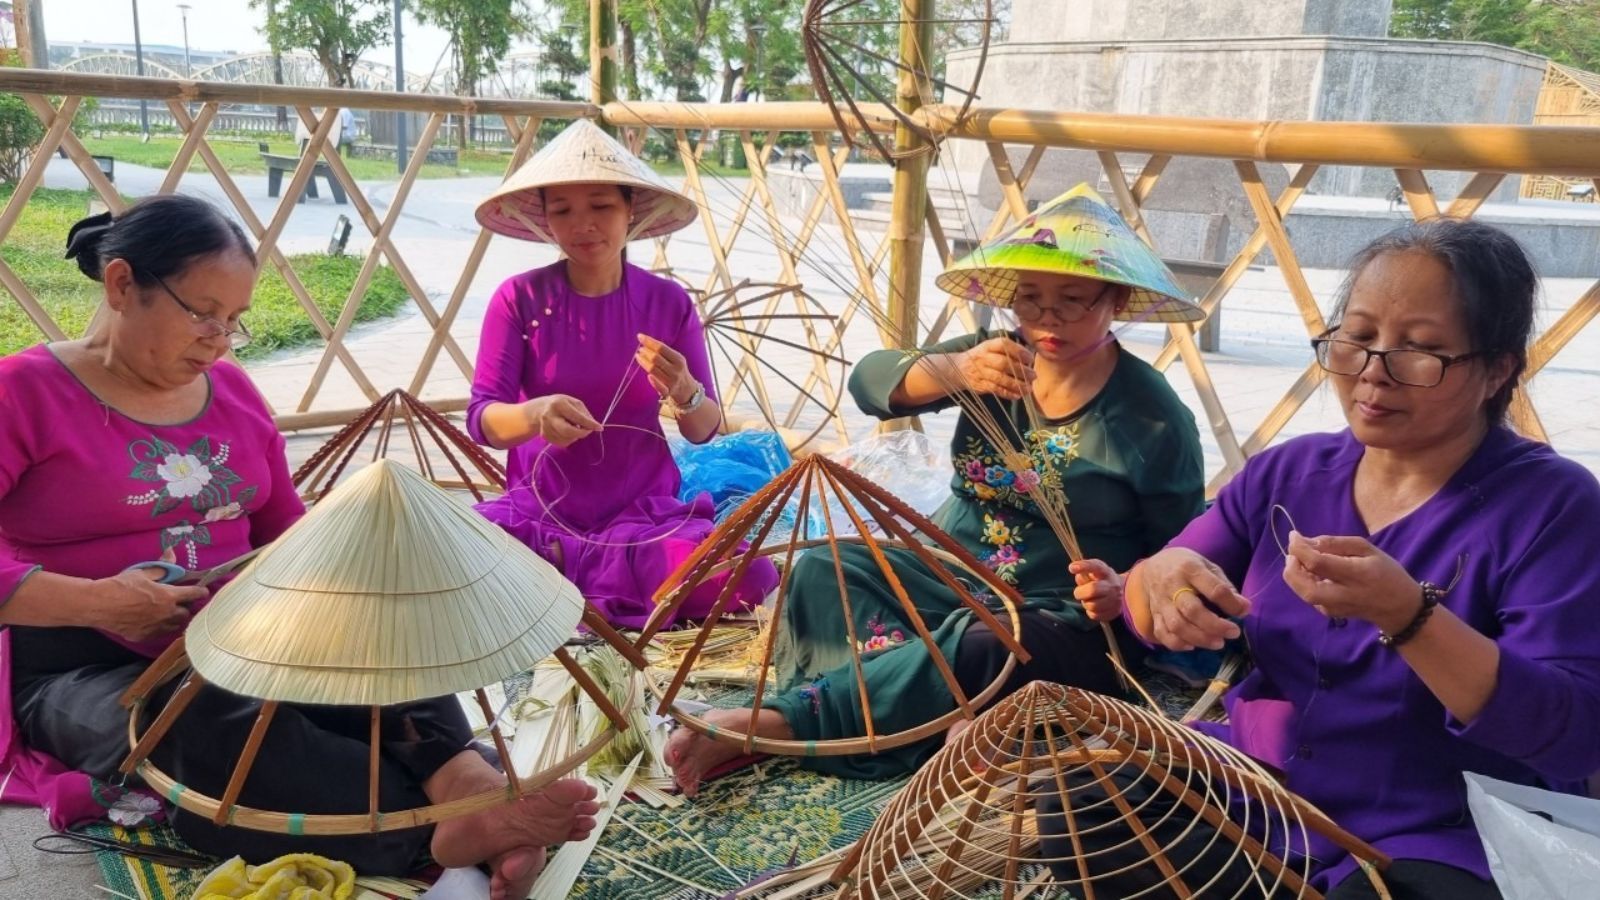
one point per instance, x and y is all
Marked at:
(515, 871)
(692, 755)
(562, 811)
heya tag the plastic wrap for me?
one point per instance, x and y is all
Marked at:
(1541, 845)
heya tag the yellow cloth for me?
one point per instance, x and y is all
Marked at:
(297, 876)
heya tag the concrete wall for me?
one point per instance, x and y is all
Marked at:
(1151, 20)
(1302, 78)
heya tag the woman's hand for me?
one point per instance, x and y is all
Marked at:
(136, 606)
(560, 419)
(1099, 589)
(1347, 577)
(668, 372)
(998, 366)
(1177, 584)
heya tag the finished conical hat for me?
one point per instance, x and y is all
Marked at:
(1077, 233)
(583, 154)
(389, 590)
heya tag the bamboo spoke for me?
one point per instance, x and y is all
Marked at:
(247, 759)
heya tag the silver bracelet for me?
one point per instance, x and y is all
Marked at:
(695, 401)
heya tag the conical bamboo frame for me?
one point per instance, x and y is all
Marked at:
(810, 482)
(967, 819)
(227, 811)
(321, 471)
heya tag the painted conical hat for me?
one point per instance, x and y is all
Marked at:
(583, 154)
(389, 590)
(1077, 233)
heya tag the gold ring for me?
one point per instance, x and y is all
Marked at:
(1181, 591)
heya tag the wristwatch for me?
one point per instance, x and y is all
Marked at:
(695, 399)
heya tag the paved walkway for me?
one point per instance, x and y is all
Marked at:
(1263, 351)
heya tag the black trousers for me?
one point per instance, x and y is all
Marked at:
(314, 759)
(1119, 864)
(1061, 653)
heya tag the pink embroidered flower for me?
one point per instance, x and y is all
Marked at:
(897, 636)
(1027, 480)
(1005, 555)
(876, 642)
(974, 470)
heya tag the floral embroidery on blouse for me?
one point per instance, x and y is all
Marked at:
(813, 691)
(197, 477)
(1006, 539)
(882, 637)
(984, 471)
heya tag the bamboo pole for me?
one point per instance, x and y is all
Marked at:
(785, 116)
(1525, 149)
(149, 88)
(369, 266)
(524, 136)
(908, 216)
(603, 55)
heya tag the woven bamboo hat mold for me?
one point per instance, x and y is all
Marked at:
(583, 154)
(1077, 233)
(389, 590)
(1101, 795)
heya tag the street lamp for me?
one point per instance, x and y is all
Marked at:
(183, 9)
(758, 29)
(138, 57)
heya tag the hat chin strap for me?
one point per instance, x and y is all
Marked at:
(535, 230)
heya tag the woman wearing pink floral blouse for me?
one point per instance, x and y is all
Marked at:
(140, 442)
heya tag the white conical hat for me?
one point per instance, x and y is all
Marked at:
(389, 590)
(583, 154)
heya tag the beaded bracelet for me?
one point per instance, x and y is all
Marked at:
(1431, 594)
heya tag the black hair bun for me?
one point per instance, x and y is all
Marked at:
(83, 242)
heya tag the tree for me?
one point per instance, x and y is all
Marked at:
(481, 32)
(337, 32)
(20, 129)
(1567, 31)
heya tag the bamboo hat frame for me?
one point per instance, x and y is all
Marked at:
(810, 483)
(968, 822)
(388, 591)
(583, 154)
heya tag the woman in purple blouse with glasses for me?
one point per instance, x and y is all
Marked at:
(1432, 609)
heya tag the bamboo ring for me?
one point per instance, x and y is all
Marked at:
(853, 745)
(351, 823)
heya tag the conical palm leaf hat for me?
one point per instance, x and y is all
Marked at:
(389, 590)
(583, 154)
(1077, 233)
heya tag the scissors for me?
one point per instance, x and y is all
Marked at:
(74, 842)
(172, 573)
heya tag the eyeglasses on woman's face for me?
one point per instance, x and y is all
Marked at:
(209, 326)
(1030, 307)
(1417, 368)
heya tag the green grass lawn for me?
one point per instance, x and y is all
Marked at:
(241, 156)
(33, 250)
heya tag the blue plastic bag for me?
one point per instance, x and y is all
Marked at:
(730, 468)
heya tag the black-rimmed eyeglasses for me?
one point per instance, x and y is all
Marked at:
(1417, 368)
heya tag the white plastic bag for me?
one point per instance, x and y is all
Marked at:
(1531, 857)
(904, 463)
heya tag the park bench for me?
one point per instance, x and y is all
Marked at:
(278, 164)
